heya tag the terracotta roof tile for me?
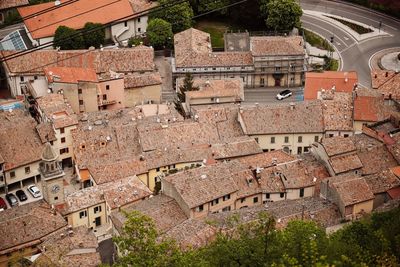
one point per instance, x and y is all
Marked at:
(344, 163)
(338, 145)
(352, 190)
(387, 83)
(46, 132)
(302, 117)
(70, 75)
(27, 223)
(277, 45)
(338, 111)
(140, 80)
(13, 3)
(215, 88)
(326, 80)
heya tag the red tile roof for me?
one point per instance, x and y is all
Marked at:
(394, 193)
(70, 75)
(326, 80)
(74, 15)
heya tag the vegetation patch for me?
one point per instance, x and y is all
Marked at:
(355, 27)
(216, 31)
(317, 41)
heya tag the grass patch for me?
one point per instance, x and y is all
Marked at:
(317, 41)
(331, 64)
(355, 27)
(217, 36)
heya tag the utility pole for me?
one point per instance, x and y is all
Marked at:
(380, 26)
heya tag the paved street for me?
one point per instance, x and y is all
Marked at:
(355, 54)
(268, 95)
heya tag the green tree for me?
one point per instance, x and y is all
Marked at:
(281, 15)
(12, 17)
(188, 85)
(67, 39)
(139, 245)
(159, 33)
(135, 41)
(96, 36)
(179, 15)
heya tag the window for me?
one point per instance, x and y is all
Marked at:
(27, 170)
(226, 197)
(345, 135)
(107, 87)
(214, 68)
(21, 78)
(267, 195)
(282, 195)
(56, 198)
(1, 178)
(62, 139)
(97, 209)
(82, 214)
(158, 169)
(306, 149)
(64, 150)
(255, 200)
(272, 149)
(262, 81)
(79, 91)
(138, 20)
(62, 130)
(277, 68)
(12, 174)
(51, 142)
(126, 24)
(243, 199)
(104, 97)
(330, 135)
(301, 192)
(215, 202)
(227, 208)
(262, 69)
(256, 138)
(200, 208)
(35, 77)
(299, 150)
(139, 29)
(272, 140)
(300, 139)
(80, 102)
(316, 138)
(286, 139)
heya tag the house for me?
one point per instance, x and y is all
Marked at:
(213, 92)
(30, 67)
(340, 81)
(9, 7)
(269, 60)
(350, 192)
(83, 90)
(293, 127)
(123, 19)
(20, 150)
(25, 227)
(69, 247)
(53, 109)
(387, 83)
(91, 207)
(142, 89)
(369, 107)
(338, 154)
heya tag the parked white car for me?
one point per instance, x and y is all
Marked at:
(284, 94)
(35, 192)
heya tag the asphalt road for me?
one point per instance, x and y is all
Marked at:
(355, 55)
(266, 95)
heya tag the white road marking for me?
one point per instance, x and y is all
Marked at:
(328, 32)
(338, 43)
(346, 38)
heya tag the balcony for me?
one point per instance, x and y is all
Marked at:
(106, 102)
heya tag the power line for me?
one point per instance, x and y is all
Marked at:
(49, 44)
(88, 51)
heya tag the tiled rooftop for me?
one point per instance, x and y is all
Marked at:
(387, 83)
(242, 147)
(344, 163)
(125, 60)
(267, 159)
(376, 159)
(201, 185)
(13, 3)
(338, 112)
(27, 223)
(164, 210)
(69, 74)
(46, 132)
(75, 247)
(338, 145)
(369, 106)
(56, 109)
(276, 45)
(215, 88)
(301, 117)
(19, 141)
(382, 181)
(352, 189)
(316, 81)
(140, 80)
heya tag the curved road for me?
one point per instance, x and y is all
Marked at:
(355, 54)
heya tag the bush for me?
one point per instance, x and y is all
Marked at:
(67, 39)
(96, 36)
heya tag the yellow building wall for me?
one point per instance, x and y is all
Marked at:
(26, 252)
(89, 220)
(273, 197)
(295, 193)
(136, 96)
(248, 201)
(68, 142)
(307, 139)
(20, 174)
(365, 206)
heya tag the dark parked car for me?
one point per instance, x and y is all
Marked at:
(12, 200)
(3, 205)
(21, 195)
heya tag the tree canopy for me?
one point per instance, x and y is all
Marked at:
(281, 15)
(179, 15)
(159, 33)
(67, 39)
(96, 35)
(373, 241)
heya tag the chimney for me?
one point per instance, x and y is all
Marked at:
(71, 233)
(292, 105)
(386, 74)
(57, 3)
